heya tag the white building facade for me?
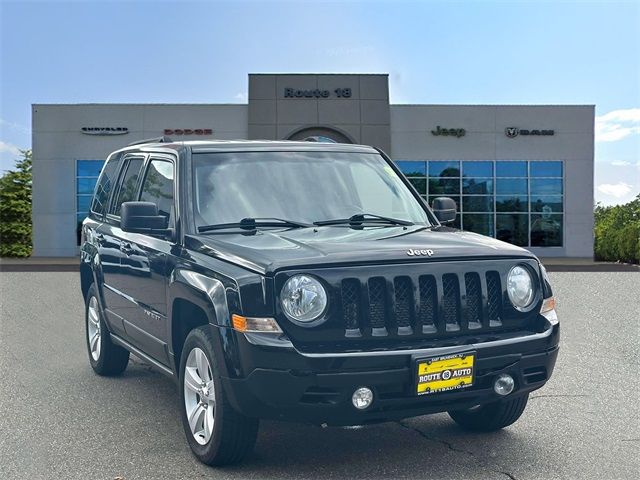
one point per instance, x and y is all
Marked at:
(520, 173)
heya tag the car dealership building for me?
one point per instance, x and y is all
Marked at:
(520, 173)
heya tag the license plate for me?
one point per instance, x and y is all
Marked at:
(444, 373)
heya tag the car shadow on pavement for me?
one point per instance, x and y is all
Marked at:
(405, 449)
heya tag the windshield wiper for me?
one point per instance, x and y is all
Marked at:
(253, 223)
(359, 218)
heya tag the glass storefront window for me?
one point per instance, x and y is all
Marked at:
(477, 186)
(85, 185)
(87, 173)
(517, 201)
(84, 201)
(477, 169)
(545, 169)
(478, 223)
(511, 169)
(512, 203)
(546, 186)
(420, 184)
(412, 169)
(444, 186)
(89, 168)
(546, 230)
(511, 185)
(444, 169)
(473, 203)
(551, 203)
(513, 228)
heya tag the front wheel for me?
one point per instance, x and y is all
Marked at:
(492, 416)
(217, 434)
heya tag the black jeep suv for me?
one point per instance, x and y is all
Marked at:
(305, 281)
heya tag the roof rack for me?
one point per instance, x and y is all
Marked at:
(163, 139)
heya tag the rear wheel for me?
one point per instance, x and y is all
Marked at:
(491, 417)
(217, 434)
(105, 358)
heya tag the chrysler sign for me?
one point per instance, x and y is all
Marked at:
(104, 130)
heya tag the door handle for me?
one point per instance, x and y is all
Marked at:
(126, 248)
(99, 237)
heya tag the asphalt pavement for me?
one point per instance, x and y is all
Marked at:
(58, 420)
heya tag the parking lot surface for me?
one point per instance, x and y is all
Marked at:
(58, 420)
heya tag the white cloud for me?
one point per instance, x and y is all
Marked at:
(618, 124)
(621, 163)
(617, 190)
(14, 126)
(242, 97)
(8, 148)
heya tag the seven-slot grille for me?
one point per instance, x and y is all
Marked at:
(429, 305)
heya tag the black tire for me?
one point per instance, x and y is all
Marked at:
(112, 359)
(492, 416)
(233, 434)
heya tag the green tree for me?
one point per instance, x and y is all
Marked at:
(617, 232)
(15, 209)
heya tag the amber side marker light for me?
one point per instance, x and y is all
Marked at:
(254, 324)
(548, 310)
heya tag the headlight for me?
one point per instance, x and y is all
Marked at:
(303, 298)
(520, 287)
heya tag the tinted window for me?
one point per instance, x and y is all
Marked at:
(444, 186)
(513, 228)
(477, 186)
(412, 169)
(511, 185)
(546, 186)
(105, 185)
(444, 169)
(128, 184)
(546, 169)
(479, 223)
(546, 230)
(511, 169)
(158, 187)
(477, 169)
(88, 168)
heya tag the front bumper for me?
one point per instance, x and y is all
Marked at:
(284, 384)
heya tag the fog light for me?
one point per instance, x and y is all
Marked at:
(362, 398)
(504, 384)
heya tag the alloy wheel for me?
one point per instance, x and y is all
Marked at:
(94, 329)
(199, 395)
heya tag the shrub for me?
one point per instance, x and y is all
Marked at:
(617, 232)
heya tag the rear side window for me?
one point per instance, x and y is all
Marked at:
(105, 185)
(128, 184)
(158, 187)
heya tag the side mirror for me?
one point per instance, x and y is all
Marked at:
(142, 217)
(444, 209)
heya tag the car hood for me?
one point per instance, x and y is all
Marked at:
(267, 250)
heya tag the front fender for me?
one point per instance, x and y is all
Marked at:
(213, 296)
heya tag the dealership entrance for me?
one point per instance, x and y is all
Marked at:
(320, 133)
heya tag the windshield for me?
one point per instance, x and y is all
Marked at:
(301, 187)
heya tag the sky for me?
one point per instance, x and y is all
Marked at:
(473, 52)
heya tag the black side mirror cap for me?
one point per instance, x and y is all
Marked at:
(143, 217)
(444, 208)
